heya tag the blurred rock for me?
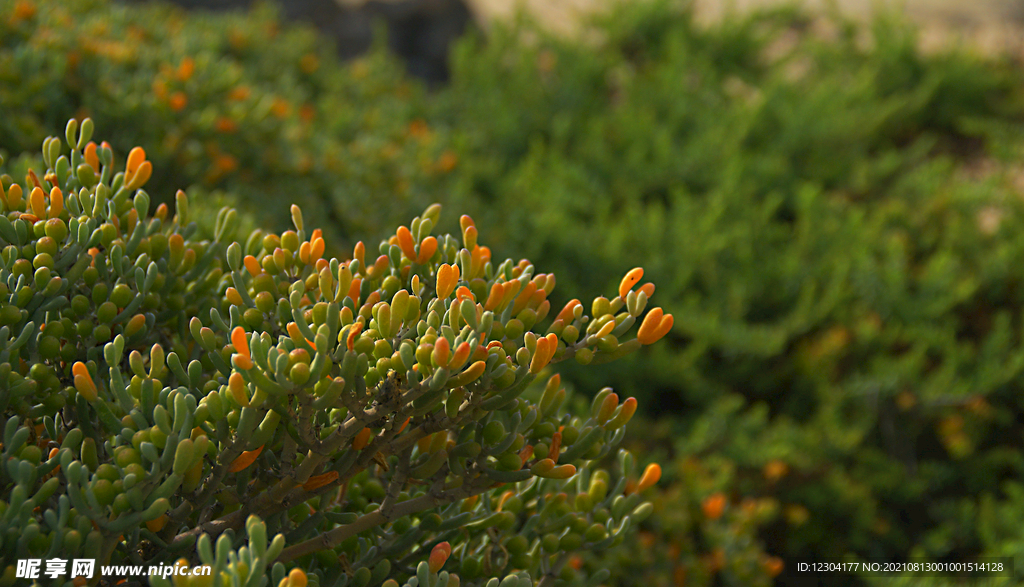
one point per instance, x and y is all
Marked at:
(419, 31)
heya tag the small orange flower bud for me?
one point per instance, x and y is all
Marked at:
(773, 566)
(405, 242)
(441, 353)
(297, 578)
(447, 278)
(91, 158)
(239, 340)
(36, 202)
(651, 476)
(252, 265)
(438, 556)
(656, 324)
(56, 202)
(361, 439)
(632, 277)
(234, 298)
(317, 249)
(317, 481)
(713, 506)
(236, 385)
(83, 381)
(359, 253)
(427, 249)
(245, 459)
(135, 158)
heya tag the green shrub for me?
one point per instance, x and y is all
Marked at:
(232, 102)
(846, 288)
(169, 398)
(832, 223)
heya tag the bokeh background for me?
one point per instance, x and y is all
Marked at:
(830, 198)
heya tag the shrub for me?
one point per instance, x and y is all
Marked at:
(210, 401)
(235, 102)
(837, 231)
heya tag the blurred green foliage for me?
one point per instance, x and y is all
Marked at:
(833, 218)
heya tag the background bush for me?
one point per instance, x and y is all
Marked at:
(833, 218)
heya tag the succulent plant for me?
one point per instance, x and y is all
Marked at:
(269, 412)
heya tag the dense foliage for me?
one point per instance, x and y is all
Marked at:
(365, 433)
(832, 217)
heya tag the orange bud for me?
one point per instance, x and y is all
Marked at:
(240, 341)
(91, 158)
(651, 476)
(471, 374)
(713, 506)
(625, 414)
(647, 288)
(469, 237)
(406, 243)
(353, 333)
(83, 381)
(140, 176)
(465, 222)
(157, 524)
(304, 250)
(494, 298)
(655, 325)
(566, 315)
(135, 158)
(317, 481)
(773, 566)
(526, 454)
(447, 278)
(243, 362)
(361, 439)
(561, 472)
(234, 298)
(236, 385)
(459, 357)
(546, 348)
(463, 293)
(252, 265)
(353, 290)
(317, 249)
(36, 202)
(440, 355)
(611, 401)
(56, 202)
(297, 578)
(524, 297)
(438, 556)
(359, 252)
(556, 446)
(632, 277)
(427, 249)
(245, 459)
